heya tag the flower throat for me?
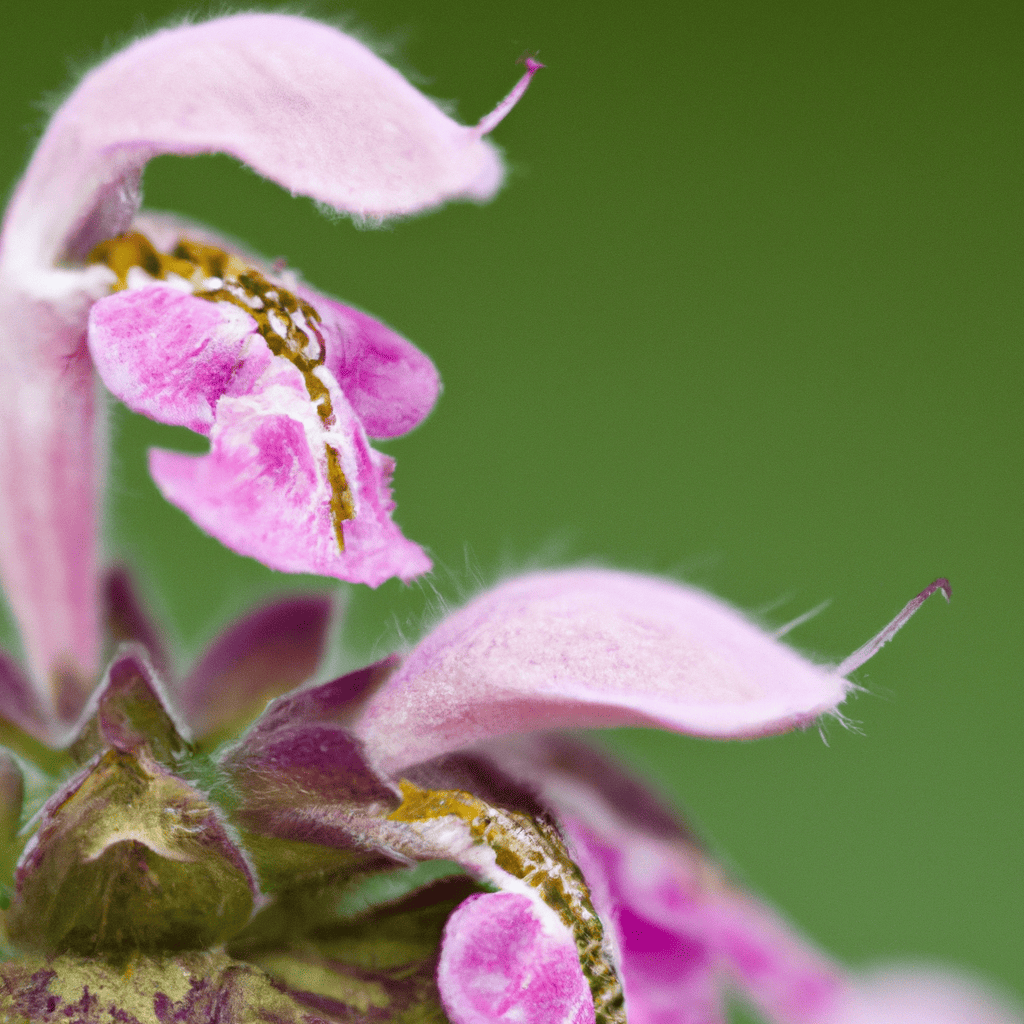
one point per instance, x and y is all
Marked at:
(286, 322)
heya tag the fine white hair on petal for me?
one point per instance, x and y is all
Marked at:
(801, 619)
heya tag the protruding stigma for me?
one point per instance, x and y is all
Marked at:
(876, 643)
(491, 121)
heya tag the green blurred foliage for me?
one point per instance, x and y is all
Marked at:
(747, 313)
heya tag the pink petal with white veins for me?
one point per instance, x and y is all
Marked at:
(589, 648)
(263, 489)
(503, 961)
(167, 354)
(185, 360)
(390, 383)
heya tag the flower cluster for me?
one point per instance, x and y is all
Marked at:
(416, 841)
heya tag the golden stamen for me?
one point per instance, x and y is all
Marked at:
(275, 310)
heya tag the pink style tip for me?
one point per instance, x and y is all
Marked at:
(490, 121)
(876, 643)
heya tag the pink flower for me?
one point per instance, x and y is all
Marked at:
(457, 730)
(415, 840)
(582, 899)
(182, 326)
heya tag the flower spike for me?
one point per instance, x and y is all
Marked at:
(876, 643)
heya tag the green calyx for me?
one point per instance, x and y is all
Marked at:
(133, 859)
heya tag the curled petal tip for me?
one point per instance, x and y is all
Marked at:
(491, 121)
(876, 643)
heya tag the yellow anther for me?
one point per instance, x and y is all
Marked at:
(531, 850)
(287, 323)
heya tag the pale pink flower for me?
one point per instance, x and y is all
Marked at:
(287, 384)
(466, 712)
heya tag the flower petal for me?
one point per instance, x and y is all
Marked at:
(767, 960)
(922, 995)
(167, 354)
(586, 648)
(170, 356)
(19, 703)
(645, 871)
(184, 360)
(502, 961)
(268, 652)
(681, 926)
(51, 460)
(264, 488)
(298, 101)
(128, 622)
(300, 775)
(301, 103)
(390, 383)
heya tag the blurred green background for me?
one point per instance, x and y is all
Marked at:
(747, 313)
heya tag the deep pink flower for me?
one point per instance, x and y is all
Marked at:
(287, 383)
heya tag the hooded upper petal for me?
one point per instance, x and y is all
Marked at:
(266, 653)
(587, 648)
(298, 101)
